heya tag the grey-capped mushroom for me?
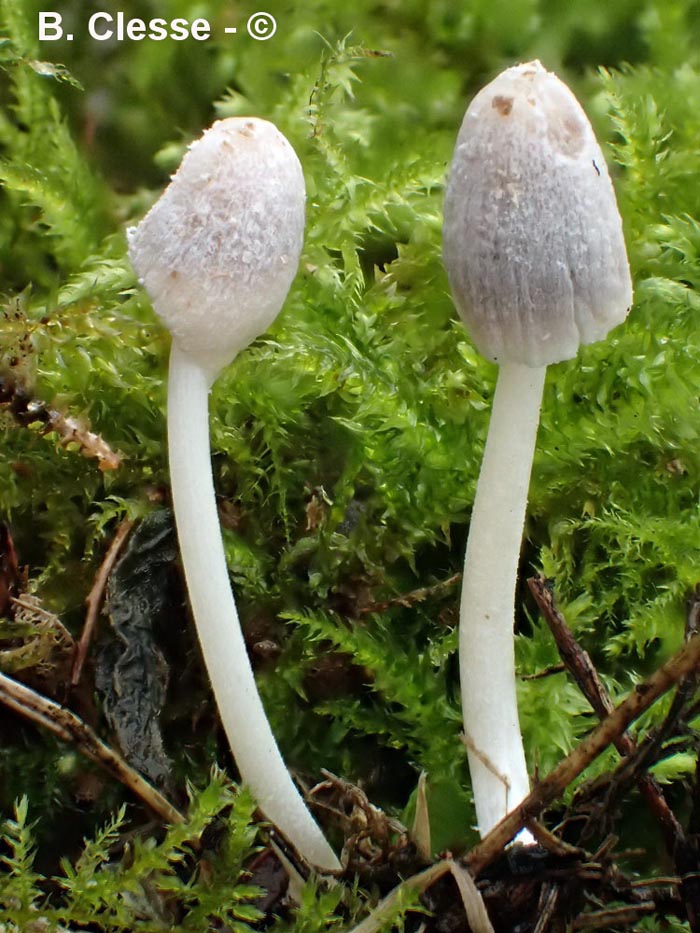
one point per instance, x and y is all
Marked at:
(217, 254)
(536, 260)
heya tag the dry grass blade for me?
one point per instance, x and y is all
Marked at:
(420, 831)
(471, 898)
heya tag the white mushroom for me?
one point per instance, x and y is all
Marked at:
(217, 254)
(536, 259)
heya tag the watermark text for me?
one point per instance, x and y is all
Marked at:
(105, 27)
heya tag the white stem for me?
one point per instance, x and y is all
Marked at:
(486, 650)
(249, 734)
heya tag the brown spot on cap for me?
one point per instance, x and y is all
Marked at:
(567, 133)
(503, 105)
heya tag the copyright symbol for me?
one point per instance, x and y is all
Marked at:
(261, 26)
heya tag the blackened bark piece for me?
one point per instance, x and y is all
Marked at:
(132, 672)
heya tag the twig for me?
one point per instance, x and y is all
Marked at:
(10, 575)
(545, 672)
(683, 849)
(415, 596)
(553, 843)
(679, 711)
(419, 882)
(615, 917)
(28, 411)
(549, 900)
(688, 860)
(577, 661)
(553, 785)
(70, 728)
(477, 916)
(673, 881)
(94, 598)
(72, 431)
(584, 673)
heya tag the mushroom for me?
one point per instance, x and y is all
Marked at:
(536, 260)
(217, 254)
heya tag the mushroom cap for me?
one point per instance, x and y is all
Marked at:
(218, 251)
(532, 237)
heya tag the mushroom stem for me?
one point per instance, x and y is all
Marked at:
(252, 742)
(486, 652)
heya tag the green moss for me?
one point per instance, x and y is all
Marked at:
(347, 441)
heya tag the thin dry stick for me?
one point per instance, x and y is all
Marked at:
(70, 728)
(546, 672)
(415, 596)
(553, 843)
(574, 657)
(28, 411)
(549, 901)
(683, 708)
(552, 786)
(615, 917)
(418, 882)
(94, 598)
(477, 917)
(584, 673)
(72, 431)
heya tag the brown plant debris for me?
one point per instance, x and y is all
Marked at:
(64, 723)
(584, 673)
(94, 598)
(406, 600)
(71, 432)
(557, 885)
(12, 579)
(551, 787)
(131, 671)
(575, 878)
(373, 840)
